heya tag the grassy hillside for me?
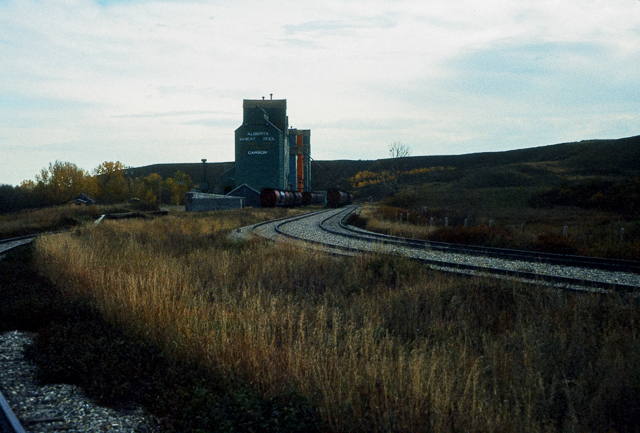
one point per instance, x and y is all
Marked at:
(543, 166)
(512, 178)
(591, 174)
(260, 336)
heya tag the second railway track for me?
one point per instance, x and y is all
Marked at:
(327, 230)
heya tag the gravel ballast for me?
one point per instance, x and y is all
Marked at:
(58, 407)
(308, 229)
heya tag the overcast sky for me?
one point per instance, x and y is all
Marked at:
(151, 81)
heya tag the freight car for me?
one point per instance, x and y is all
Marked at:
(337, 198)
(270, 197)
(312, 198)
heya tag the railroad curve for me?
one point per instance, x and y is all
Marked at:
(326, 230)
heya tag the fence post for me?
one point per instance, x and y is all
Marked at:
(465, 222)
(446, 221)
(431, 223)
(565, 231)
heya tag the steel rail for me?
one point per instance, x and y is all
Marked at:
(19, 238)
(17, 242)
(570, 283)
(287, 219)
(8, 421)
(614, 265)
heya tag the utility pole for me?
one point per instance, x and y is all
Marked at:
(203, 184)
(129, 173)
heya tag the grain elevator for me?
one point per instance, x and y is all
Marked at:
(268, 154)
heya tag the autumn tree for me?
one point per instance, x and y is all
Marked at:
(152, 187)
(27, 185)
(110, 181)
(34, 192)
(368, 178)
(179, 185)
(61, 182)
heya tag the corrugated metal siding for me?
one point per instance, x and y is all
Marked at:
(202, 202)
(265, 157)
(261, 157)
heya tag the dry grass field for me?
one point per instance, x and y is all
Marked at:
(588, 233)
(364, 344)
(30, 222)
(33, 221)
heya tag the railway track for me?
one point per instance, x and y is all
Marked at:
(28, 406)
(327, 230)
(511, 254)
(33, 407)
(8, 421)
(9, 244)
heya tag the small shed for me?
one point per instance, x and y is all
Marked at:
(250, 195)
(203, 202)
(82, 199)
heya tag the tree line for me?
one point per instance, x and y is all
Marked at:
(110, 182)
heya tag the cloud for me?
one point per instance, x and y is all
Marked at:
(558, 74)
(341, 27)
(381, 124)
(65, 148)
(230, 124)
(150, 80)
(299, 43)
(17, 101)
(166, 114)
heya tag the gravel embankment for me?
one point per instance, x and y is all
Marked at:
(60, 407)
(57, 408)
(308, 229)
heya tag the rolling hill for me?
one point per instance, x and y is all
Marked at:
(520, 175)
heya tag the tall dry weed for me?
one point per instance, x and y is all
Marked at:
(377, 343)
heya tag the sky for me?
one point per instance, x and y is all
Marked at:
(153, 81)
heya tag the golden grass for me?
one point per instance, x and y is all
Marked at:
(29, 222)
(32, 221)
(588, 233)
(377, 344)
